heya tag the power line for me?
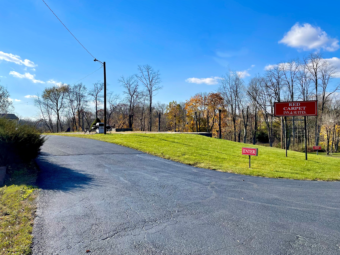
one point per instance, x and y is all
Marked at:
(68, 29)
(89, 74)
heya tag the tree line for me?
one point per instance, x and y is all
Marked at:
(247, 109)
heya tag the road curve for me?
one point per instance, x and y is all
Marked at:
(108, 199)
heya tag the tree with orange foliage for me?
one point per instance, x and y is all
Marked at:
(174, 115)
(208, 105)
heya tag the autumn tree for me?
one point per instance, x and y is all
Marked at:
(174, 115)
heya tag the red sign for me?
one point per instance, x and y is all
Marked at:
(317, 148)
(250, 151)
(298, 108)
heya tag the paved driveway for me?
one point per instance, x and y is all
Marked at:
(113, 200)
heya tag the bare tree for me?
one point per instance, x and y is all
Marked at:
(231, 89)
(45, 112)
(96, 96)
(258, 92)
(151, 80)
(5, 103)
(55, 99)
(132, 94)
(113, 103)
(313, 64)
(80, 96)
(275, 85)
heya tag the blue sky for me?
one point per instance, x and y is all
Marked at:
(189, 42)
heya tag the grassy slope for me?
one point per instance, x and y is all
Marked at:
(17, 207)
(226, 156)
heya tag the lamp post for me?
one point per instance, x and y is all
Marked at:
(104, 67)
(219, 123)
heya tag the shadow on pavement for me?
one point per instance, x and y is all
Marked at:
(58, 178)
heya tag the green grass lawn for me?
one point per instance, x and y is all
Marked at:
(17, 209)
(336, 155)
(225, 156)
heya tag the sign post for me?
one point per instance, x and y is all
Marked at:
(317, 149)
(250, 152)
(297, 108)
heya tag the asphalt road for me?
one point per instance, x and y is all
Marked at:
(110, 199)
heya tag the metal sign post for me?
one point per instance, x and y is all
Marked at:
(250, 152)
(317, 149)
(297, 108)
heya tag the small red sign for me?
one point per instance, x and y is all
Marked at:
(297, 108)
(250, 151)
(317, 148)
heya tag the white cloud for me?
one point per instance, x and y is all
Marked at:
(245, 73)
(308, 37)
(333, 62)
(269, 67)
(282, 66)
(16, 59)
(31, 96)
(26, 76)
(208, 81)
(13, 100)
(57, 83)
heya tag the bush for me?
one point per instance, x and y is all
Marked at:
(18, 142)
(310, 149)
(262, 137)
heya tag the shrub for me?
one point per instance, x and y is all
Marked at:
(262, 137)
(310, 149)
(18, 142)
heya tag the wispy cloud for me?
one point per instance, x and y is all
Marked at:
(31, 96)
(308, 37)
(231, 53)
(13, 100)
(57, 83)
(208, 81)
(25, 76)
(16, 59)
(333, 62)
(222, 56)
(245, 73)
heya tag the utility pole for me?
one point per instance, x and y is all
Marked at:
(104, 67)
(175, 122)
(196, 120)
(219, 124)
(159, 122)
(305, 120)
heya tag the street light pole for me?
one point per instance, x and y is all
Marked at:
(104, 67)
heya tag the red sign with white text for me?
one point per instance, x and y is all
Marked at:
(250, 151)
(298, 108)
(317, 148)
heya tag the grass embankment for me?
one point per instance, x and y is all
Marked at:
(17, 209)
(224, 155)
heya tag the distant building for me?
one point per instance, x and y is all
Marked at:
(9, 116)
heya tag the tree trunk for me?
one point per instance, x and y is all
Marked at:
(150, 114)
(255, 128)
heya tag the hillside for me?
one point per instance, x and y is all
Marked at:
(225, 156)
